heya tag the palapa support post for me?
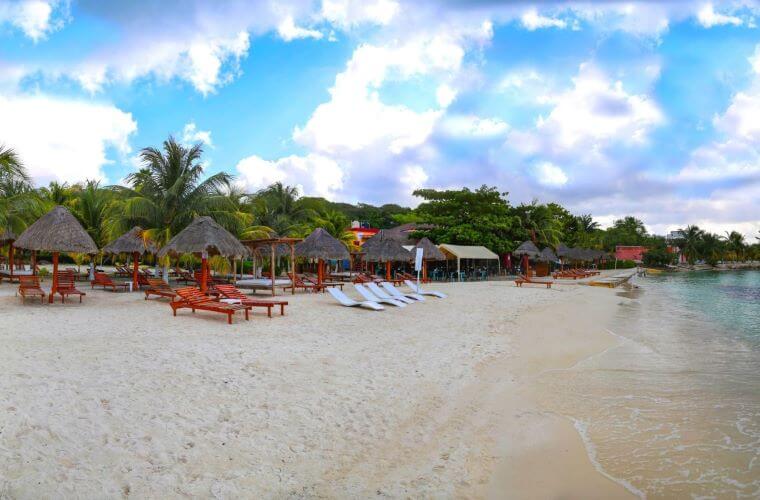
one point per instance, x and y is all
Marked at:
(271, 266)
(54, 287)
(135, 271)
(292, 266)
(10, 258)
(204, 272)
(320, 271)
(424, 271)
(526, 266)
(387, 270)
(34, 263)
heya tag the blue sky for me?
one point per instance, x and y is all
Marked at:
(650, 109)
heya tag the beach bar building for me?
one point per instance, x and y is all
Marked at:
(470, 258)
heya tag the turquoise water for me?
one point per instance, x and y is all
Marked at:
(673, 411)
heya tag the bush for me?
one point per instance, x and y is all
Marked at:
(659, 257)
(621, 264)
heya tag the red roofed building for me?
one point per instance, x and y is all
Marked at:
(634, 253)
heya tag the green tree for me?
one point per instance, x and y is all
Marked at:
(735, 243)
(542, 223)
(690, 243)
(479, 217)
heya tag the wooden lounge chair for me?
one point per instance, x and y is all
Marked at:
(325, 284)
(194, 299)
(522, 279)
(186, 277)
(210, 280)
(374, 298)
(29, 286)
(67, 286)
(157, 286)
(122, 271)
(297, 283)
(102, 279)
(230, 292)
(347, 302)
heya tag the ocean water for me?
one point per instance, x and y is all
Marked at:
(674, 410)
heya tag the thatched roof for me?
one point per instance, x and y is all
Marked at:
(529, 249)
(321, 245)
(429, 250)
(7, 236)
(133, 241)
(382, 247)
(57, 231)
(548, 255)
(562, 250)
(404, 232)
(204, 235)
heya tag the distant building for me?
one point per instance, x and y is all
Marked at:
(675, 235)
(634, 253)
(362, 232)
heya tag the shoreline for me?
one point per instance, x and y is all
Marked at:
(549, 457)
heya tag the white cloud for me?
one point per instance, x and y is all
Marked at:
(742, 118)
(445, 95)
(288, 31)
(413, 177)
(191, 135)
(64, 140)
(33, 17)
(472, 126)
(346, 13)
(549, 174)
(708, 18)
(313, 174)
(532, 21)
(596, 109)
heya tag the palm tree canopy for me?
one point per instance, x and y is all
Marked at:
(57, 231)
(204, 235)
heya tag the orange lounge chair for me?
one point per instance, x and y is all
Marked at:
(297, 282)
(29, 286)
(122, 271)
(230, 292)
(524, 279)
(67, 286)
(325, 284)
(157, 286)
(194, 299)
(102, 279)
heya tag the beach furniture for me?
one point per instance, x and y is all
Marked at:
(393, 291)
(297, 282)
(376, 290)
(323, 284)
(232, 293)
(522, 279)
(29, 286)
(413, 286)
(160, 288)
(67, 286)
(185, 277)
(121, 271)
(193, 299)
(375, 298)
(102, 279)
(347, 302)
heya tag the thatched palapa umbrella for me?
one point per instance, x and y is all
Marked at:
(322, 246)
(429, 252)
(57, 231)
(547, 255)
(383, 248)
(135, 243)
(529, 251)
(205, 237)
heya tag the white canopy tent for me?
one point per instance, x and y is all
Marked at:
(460, 252)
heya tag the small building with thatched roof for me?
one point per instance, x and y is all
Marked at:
(384, 248)
(57, 231)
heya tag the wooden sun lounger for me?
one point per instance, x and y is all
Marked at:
(67, 286)
(297, 283)
(160, 288)
(325, 284)
(102, 279)
(194, 299)
(522, 279)
(230, 292)
(122, 271)
(29, 286)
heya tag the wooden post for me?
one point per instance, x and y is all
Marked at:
(387, 270)
(204, 272)
(54, 287)
(320, 271)
(10, 258)
(424, 271)
(135, 271)
(271, 268)
(292, 267)
(34, 262)
(527, 266)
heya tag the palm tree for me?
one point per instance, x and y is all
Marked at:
(278, 207)
(540, 224)
(169, 192)
(692, 236)
(735, 241)
(586, 223)
(11, 167)
(19, 204)
(335, 223)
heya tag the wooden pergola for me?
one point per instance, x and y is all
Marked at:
(272, 244)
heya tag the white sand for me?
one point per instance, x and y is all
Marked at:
(116, 397)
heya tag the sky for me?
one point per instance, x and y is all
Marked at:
(649, 109)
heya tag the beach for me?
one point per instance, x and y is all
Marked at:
(116, 397)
